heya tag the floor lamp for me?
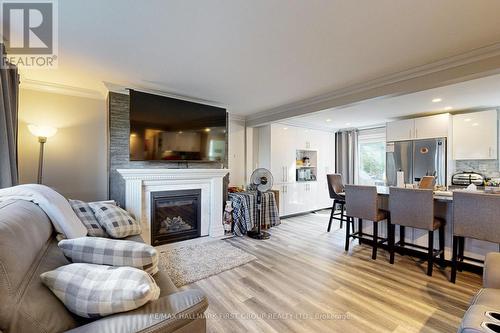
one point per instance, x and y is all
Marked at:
(42, 133)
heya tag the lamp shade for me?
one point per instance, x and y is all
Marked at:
(42, 131)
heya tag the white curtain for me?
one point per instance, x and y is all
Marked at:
(346, 149)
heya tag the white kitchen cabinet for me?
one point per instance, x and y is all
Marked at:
(283, 142)
(400, 130)
(278, 145)
(475, 136)
(436, 126)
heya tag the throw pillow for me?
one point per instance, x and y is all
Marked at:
(94, 291)
(86, 215)
(112, 252)
(116, 221)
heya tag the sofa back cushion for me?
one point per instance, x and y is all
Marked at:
(27, 249)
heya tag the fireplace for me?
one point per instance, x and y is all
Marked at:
(175, 216)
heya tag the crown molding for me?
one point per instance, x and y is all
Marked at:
(466, 66)
(62, 89)
(237, 117)
(124, 89)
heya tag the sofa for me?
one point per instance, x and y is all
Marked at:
(486, 302)
(28, 247)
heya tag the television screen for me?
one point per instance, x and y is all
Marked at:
(170, 129)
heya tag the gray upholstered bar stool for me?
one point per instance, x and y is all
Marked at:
(336, 190)
(415, 208)
(475, 215)
(363, 202)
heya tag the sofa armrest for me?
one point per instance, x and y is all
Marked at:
(167, 314)
(491, 274)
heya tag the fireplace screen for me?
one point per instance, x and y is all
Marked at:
(175, 216)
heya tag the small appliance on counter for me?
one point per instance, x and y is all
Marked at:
(466, 178)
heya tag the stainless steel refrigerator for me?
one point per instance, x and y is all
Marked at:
(417, 158)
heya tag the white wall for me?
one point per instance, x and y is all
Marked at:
(237, 152)
(76, 157)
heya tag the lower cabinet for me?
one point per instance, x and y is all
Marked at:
(302, 197)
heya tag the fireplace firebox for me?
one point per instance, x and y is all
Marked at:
(175, 216)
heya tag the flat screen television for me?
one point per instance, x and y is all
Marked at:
(169, 129)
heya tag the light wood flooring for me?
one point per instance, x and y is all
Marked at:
(302, 273)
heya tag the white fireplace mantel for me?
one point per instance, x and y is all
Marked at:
(140, 183)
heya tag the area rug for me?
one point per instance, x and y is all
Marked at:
(192, 262)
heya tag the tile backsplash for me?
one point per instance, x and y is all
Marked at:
(489, 168)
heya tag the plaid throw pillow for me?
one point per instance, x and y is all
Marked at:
(112, 252)
(94, 291)
(86, 215)
(116, 221)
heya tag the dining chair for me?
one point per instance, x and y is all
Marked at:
(363, 203)
(415, 208)
(427, 183)
(475, 215)
(336, 190)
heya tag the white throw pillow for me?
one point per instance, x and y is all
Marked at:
(112, 252)
(94, 291)
(116, 221)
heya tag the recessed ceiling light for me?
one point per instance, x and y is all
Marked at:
(475, 124)
(348, 124)
(437, 100)
(285, 128)
(448, 108)
(328, 120)
(207, 130)
(467, 120)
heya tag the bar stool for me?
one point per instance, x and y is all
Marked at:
(363, 203)
(336, 190)
(475, 215)
(415, 208)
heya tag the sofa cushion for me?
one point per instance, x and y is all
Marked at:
(27, 249)
(112, 252)
(94, 291)
(86, 215)
(487, 297)
(116, 221)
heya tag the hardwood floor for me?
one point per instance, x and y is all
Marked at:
(302, 274)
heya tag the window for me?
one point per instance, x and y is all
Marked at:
(371, 157)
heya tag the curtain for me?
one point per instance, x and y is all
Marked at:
(9, 93)
(346, 147)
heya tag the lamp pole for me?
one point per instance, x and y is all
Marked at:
(42, 141)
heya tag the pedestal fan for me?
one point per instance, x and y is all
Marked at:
(262, 181)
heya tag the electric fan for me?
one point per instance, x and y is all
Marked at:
(262, 181)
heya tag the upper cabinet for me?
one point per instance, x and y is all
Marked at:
(475, 136)
(419, 128)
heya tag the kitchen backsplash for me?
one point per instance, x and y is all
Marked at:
(489, 168)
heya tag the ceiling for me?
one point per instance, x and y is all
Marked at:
(475, 94)
(251, 56)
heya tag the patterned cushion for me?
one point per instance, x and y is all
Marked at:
(112, 252)
(116, 221)
(86, 215)
(94, 291)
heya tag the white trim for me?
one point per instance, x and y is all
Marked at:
(122, 89)
(374, 88)
(62, 89)
(171, 174)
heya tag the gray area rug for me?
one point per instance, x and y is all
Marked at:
(186, 264)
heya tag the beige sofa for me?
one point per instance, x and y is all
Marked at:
(28, 248)
(486, 300)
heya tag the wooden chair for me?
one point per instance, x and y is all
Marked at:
(336, 190)
(475, 215)
(363, 203)
(415, 208)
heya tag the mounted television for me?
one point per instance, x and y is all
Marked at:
(170, 129)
